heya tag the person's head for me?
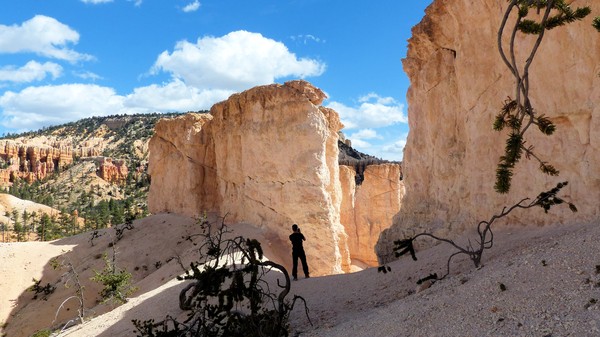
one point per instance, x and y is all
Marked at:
(294, 227)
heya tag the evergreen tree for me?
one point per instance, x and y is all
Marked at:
(518, 114)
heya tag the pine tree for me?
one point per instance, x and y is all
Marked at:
(517, 114)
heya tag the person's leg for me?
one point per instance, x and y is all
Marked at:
(304, 264)
(294, 265)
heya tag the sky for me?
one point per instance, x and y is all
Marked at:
(64, 60)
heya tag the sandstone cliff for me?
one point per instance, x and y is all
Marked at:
(269, 157)
(458, 84)
(368, 208)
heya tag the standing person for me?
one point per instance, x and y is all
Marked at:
(298, 252)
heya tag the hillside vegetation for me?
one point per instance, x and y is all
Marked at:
(82, 200)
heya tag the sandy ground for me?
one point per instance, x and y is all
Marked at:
(550, 277)
(8, 203)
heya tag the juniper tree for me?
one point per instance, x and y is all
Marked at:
(485, 235)
(229, 295)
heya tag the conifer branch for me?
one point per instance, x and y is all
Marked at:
(518, 115)
(485, 235)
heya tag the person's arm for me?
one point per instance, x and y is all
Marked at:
(303, 238)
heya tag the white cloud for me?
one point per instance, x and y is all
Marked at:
(373, 112)
(32, 71)
(360, 140)
(137, 3)
(370, 142)
(35, 107)
(192, 7)
(373, 125)
(365, 134)
(394, 150)
(94, 2)
(42, 35)
(174, 96)
(236, 61)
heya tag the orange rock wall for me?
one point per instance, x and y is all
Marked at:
(269, 157)
(368, 209)
(458, 85)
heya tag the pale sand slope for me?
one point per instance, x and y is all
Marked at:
(551, 277)
(9, 202)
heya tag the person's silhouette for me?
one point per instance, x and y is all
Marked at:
(298, 252)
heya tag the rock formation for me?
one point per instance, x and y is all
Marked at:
(22, 159)
(458, 84)
(182, 166)
(113, 171)
(368, 208)
(30, 162)
(267, 156)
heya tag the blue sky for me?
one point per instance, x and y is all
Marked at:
(63, 60)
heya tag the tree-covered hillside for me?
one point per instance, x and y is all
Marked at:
(76, 191)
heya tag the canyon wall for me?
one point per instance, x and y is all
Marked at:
(182, 166)
(458, 85)
(268, 157)
(367, 209)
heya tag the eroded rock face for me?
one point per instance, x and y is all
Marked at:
(458, 84)
(182, 166)
(367, 209)
(113, 171)
(267, 156)
(31, 162)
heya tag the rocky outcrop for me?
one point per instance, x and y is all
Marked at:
(367, 209)
(31, 162)
(182, 166)
(269, 157)
(113, 171)
(458, 84)
(266, 156)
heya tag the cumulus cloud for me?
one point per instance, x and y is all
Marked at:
(360, 139)
(35, 107)
(371, 142)
(236, 61)
(373, 125)
(192, 7)
(94, 2)
(373, 111)
(174, 96)
(42, 35)
(32, 71)
(202, 74)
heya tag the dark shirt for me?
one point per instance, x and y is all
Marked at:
(297, 239)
